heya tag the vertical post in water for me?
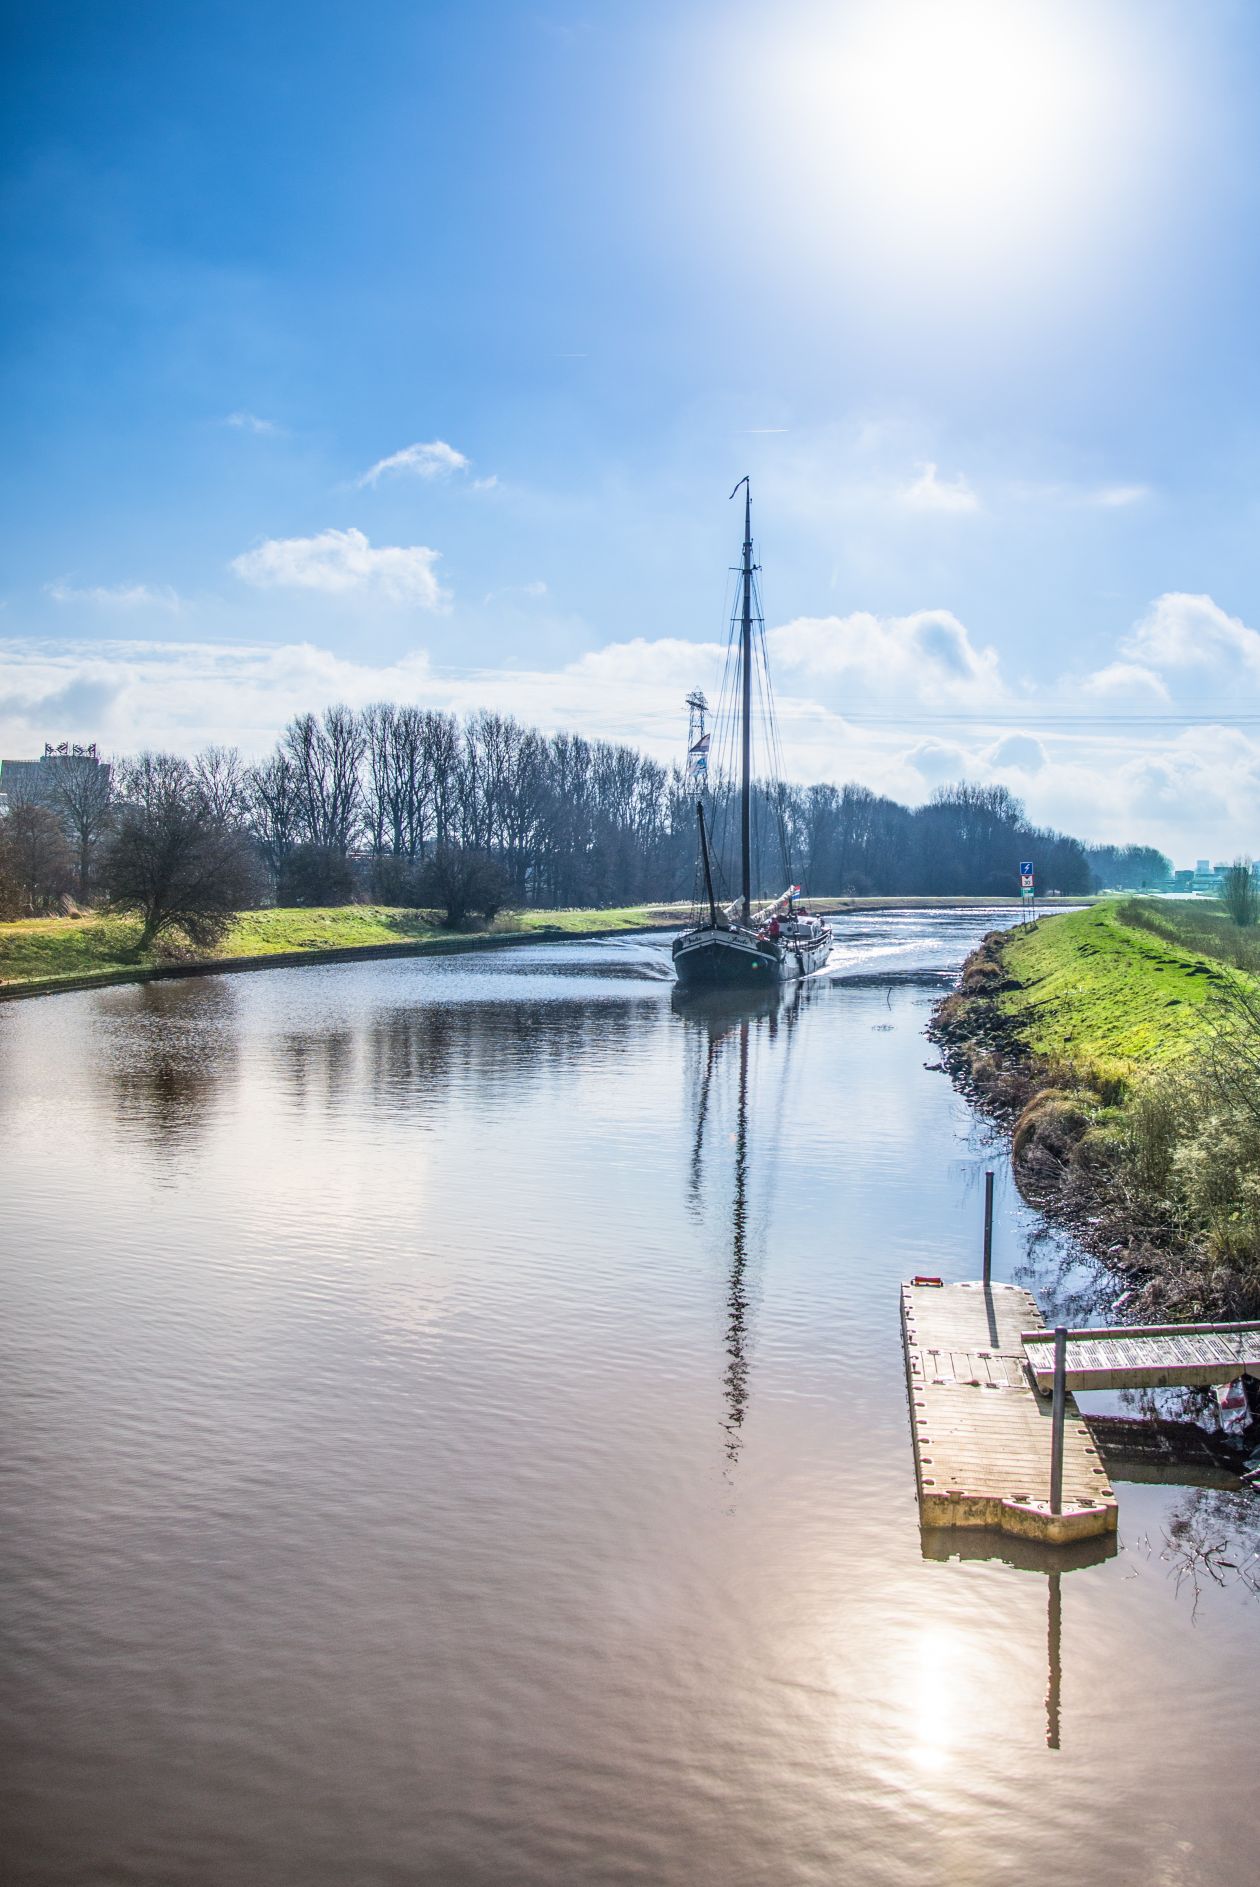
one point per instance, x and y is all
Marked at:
(988, 1228)
(1057, 1414)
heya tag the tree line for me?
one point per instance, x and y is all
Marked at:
(410, 806)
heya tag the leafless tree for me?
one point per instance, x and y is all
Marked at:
(220, 774)
(1240, 894)
(36, 866)
(327, 753)
(82, 796)
(172, 859)
(274, 808)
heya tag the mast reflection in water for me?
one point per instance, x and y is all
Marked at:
(723, 1027)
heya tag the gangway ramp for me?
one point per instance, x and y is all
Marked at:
(1147, 1356)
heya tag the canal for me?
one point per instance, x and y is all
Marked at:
(454, 1432)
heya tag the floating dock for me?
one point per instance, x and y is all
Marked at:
(982, 1434)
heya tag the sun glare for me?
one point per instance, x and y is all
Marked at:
(955, 126)
(953, 103)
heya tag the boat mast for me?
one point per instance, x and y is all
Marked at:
(708, 869)
(745, 656)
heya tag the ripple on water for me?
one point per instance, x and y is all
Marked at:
(453, 1436)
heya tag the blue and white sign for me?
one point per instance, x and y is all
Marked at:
(1025, 868)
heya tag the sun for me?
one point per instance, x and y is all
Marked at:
(955, 126)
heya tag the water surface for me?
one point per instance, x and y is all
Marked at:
(455, 1432)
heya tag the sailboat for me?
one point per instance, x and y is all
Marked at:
(732, 946)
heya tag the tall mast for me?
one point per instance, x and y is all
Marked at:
(745, 657)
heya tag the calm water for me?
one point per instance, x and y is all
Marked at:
(449, 1439)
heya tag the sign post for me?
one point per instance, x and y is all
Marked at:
(1027, 890)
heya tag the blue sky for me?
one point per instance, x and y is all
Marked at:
(413, 350)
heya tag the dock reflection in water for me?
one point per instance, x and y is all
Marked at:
(455, 1432)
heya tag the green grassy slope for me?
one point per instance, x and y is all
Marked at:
(42, 953)
(1107, 995)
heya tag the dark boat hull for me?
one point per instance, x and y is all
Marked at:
(706, 958)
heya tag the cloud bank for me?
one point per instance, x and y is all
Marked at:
(901, 703)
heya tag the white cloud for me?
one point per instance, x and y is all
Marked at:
(432, 460)
(938, 761)
(1182, 631)
(928, 492)
(1023, 753)
(486, 484)
(115, 595)
(1125, 681)
(250, 422)
(910, 658)
(847, 687)
(337, 562)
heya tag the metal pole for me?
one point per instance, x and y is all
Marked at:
(1056, 1419)
(988, 1227)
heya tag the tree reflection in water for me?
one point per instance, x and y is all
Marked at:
(167, 1051)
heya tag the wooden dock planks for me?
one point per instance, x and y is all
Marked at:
(981, 1432)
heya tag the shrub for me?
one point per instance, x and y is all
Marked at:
(1240, 894)
(313, 875)
(459, 881)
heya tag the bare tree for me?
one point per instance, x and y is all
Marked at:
(172, 859)
(442, 760)
(82, 796)
(379, 797)
(1240, 894)
(274, 808)
(411, 783)
(36, 866)
(220, 774)
(327, 753)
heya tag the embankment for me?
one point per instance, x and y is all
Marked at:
(1126, 1068)
(46, 956)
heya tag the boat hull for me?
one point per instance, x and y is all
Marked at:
(706, 958)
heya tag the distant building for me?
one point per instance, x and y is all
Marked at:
(1183, 881)
(33, 782)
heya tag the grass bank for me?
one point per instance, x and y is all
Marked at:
(39, 956)
(1121, 1046)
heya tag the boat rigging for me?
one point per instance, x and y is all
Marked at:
(730, 946)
